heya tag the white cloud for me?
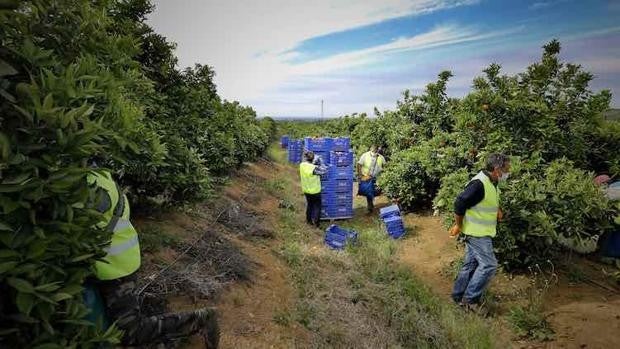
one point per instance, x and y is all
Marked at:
(244, 40)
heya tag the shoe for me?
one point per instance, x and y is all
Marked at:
(210, 329)
(475, 308)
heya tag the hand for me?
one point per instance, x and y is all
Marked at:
(455, 231)
(500, 215)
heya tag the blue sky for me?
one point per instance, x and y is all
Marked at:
(283, 56)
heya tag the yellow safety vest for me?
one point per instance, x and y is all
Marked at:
(481, 220)
(123, 254)
(310, 183)
(367, 164)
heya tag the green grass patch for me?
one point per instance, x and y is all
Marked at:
(408, 313)
(153, 238)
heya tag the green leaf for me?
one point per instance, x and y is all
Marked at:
(4, 267)
(48, 102)
(52, 286)
(61, 297)
(25, 302)
(5, 146)
(21, 285)
(8, 253)
(81, 258)
(5, 227)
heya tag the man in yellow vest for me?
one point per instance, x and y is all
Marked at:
(310, 175)
(476, 213)
(369, 166)
(116, 275)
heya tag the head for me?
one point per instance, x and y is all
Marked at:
(373, 148)
(498, 167)
(309, 156)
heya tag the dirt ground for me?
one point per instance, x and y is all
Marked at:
(246, 309)
(582, 314)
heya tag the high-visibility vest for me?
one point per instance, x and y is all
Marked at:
(310, 183)
(123, 254)
(371, 162)
(481, 220)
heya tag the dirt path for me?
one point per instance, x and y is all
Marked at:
(582, 315)
(246, 309)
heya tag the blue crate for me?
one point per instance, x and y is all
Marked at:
(337, 200)
(338, 238)
(341, 158)
(394, 226)
(341, 144)
(324, 156)
(331, 196)
(336, 212)
(389, 211)
(284, 141)
(396, 234)
(318, 144)
(337, 186)
(337, 172)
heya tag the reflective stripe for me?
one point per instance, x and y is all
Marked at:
(481, 221)
(484, 209)
(118, 249)
(121, 224)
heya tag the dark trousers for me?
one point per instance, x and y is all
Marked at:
(122, 306)
(313, 208)
(370, 203)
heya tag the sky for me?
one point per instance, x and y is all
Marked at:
(282, 57)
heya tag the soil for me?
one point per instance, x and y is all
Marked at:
(582, 314)
(246, 310)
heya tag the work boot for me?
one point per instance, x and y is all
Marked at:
(210, 330)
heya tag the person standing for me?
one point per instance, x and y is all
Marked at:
(310, 175)
(477, 212)
(369, 166)
(115, 277)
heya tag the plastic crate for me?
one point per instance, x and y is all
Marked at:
(331, 202)
(336, 198)
(338, 238)
(324, 156)
(341, 158)
(337, 172)
(341, 144)
(394, 226)
(389, 211)
(335, 212)
(337, 186)
(284, 141)
(318, 144)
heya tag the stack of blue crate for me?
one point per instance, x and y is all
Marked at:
(337, 187)
(393, 221)
(319, 146)
(337, 238)
(284, 141)
(295, 150)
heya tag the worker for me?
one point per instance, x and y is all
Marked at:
(369, 166)
(116, 277)
(311, 186)
(477, 212)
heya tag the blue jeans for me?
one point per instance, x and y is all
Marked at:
(478, 268)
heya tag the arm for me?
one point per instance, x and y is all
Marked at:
(470, 197)
(359, 164)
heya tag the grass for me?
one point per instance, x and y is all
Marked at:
(362, 297)
(153, 238)
(529, 320)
